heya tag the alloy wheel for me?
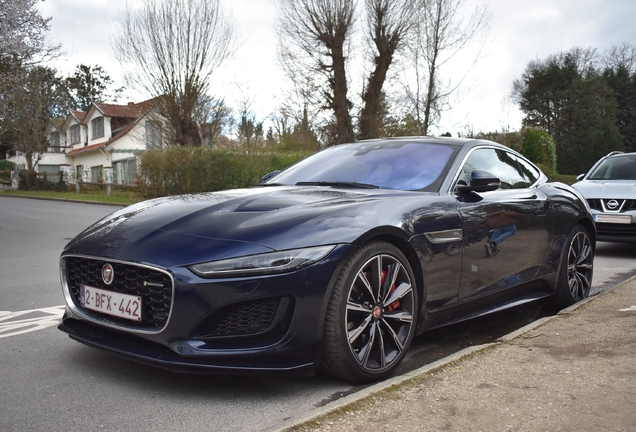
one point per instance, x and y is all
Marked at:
(580, 266)
(379, 313)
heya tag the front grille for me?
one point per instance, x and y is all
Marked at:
(154, 287)
(250, 318)
(597, 204)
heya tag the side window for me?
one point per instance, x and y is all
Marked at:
(530, 172)
(498, 162)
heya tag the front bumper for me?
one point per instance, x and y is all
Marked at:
(189, 343)
(615, 232)
(142, 351)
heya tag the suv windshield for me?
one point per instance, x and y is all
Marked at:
(389, 165)
(616, 168)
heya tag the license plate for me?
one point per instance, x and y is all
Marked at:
(110, 302)
(617, 219)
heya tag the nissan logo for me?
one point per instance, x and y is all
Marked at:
(108, 274)
(612, 204)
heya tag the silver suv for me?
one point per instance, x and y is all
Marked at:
(610, 190)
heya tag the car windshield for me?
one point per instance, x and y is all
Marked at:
(395, 165)
(616, 168)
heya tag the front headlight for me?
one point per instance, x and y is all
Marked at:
(262, 264)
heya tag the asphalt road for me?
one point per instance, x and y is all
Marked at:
(50, 382)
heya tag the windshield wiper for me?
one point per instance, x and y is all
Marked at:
(339, 184)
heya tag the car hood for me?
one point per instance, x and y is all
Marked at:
(607, 189)
(186, 229)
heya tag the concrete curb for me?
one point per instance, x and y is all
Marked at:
(399, 380)
(383, 385)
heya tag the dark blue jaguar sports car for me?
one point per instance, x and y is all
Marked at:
(335, 263)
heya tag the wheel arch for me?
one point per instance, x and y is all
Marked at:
(590, 228)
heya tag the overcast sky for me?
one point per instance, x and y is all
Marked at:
(520, 31)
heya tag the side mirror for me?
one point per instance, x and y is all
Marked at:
(269, 176)
(480, 181)
(580, 177)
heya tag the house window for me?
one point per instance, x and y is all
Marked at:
(75, 134)
(97, 174)
(51, 170)
(79, 172)
(55, 142)
(125, 171)
(153, 135)
(98, 127)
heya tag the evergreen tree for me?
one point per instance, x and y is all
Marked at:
(566, 96)
(90, 84)
(624, 85)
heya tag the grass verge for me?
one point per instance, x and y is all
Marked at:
(118, 197)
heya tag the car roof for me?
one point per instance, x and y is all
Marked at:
(619, 155)
(456, 142)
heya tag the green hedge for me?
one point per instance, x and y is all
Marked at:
(181, 170)
(5, 170)
(31, 181)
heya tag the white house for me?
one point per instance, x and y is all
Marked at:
(100, 144)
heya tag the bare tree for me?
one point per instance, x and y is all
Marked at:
(623, 55)
(37, 96)
(30, 94)
(313, 41)
(445, 29)
(170, 48)
(388, 23)
(219, 120)
(22, 29)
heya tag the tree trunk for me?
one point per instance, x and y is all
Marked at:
(371, 115)
(340, 103)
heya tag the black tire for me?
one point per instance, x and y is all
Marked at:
(371, 315)
(575, 273)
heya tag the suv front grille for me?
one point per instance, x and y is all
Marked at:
(598, 204)
(155, 288)
(617, 230)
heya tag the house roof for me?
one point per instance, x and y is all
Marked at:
(110, 110)
(131, 110)
(79, 115)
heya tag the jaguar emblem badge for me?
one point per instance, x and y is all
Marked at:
(108, 274)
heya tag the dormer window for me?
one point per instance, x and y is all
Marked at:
(75, 134)
(98, 127)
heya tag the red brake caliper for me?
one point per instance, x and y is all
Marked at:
(396, 304)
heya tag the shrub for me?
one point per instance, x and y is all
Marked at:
(35, 181)
(181, 170)
(539, 147)
(6, 167)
